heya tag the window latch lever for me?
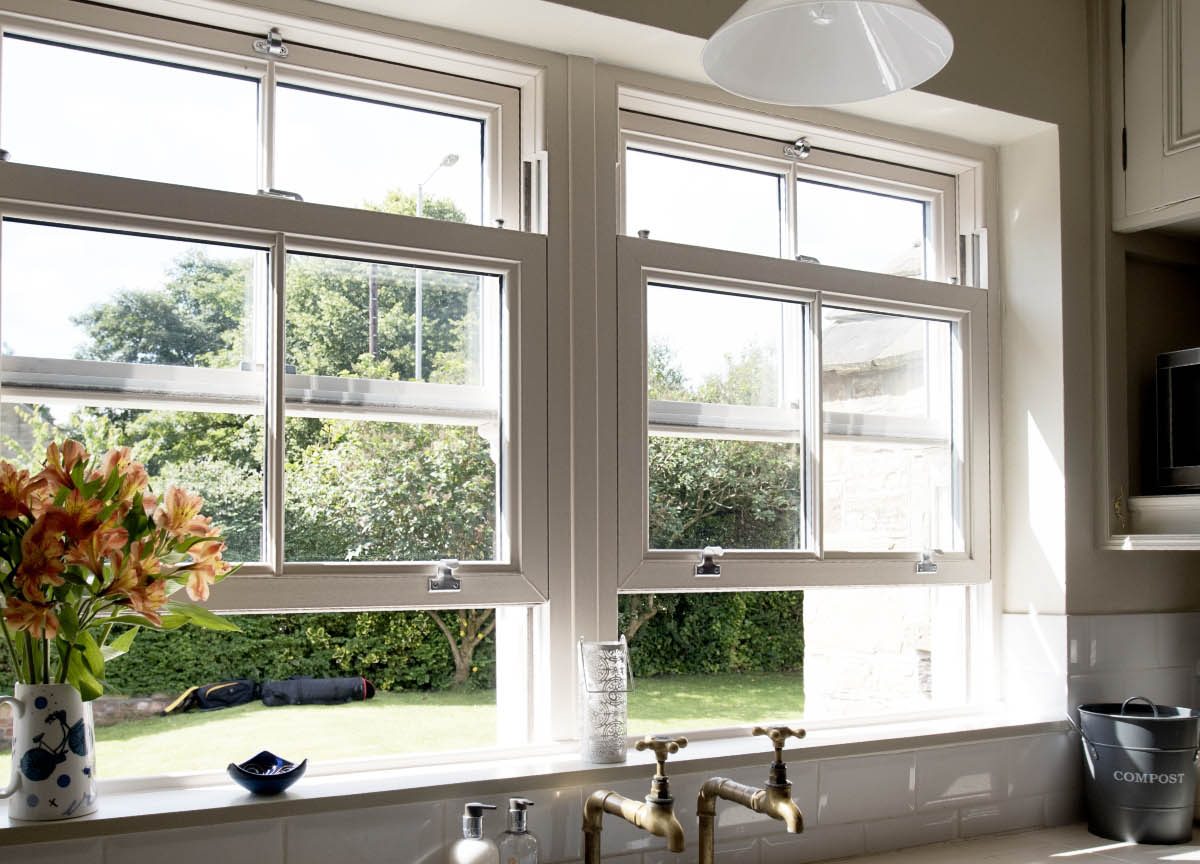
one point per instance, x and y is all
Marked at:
(708, 566)
(927, 564)
(443, 578)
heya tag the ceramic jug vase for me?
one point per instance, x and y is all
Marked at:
(53, 754)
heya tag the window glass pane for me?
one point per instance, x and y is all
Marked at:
(336, 149)
(726, 407)
(861, 230)
(218, 456)
(890, 469)
(703, 661)
(106, 113)
(385, 462)
(130, 298)
(702, 203)
(407, 658)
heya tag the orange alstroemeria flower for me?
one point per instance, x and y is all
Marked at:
(91, 552)
(78, 517)
(133, 474)
(19, 492)
(179, 507)
(42, 550)
(36, 618)
(59, 464)
(147, 599)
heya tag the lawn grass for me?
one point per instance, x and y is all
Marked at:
(676, 703)
(396, 723)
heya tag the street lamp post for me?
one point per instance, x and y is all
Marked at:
(447, 161)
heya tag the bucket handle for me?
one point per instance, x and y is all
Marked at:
(1153, 707)
(1088, 747)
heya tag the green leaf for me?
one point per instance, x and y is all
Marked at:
(79, 676)
(202, 617)
(92, 655)
(68, 622)
(120, 645)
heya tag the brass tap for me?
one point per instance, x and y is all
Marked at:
(774, 799)
(656, 814)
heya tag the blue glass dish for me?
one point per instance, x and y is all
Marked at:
(266, 773)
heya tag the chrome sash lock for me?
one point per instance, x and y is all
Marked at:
(443, 578)
(708, 566)
(927, 564)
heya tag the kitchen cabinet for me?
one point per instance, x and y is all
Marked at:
(1156, 108)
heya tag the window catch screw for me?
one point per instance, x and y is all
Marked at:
(443, 578)
(708, 566)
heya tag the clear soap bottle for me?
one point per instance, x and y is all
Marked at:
(516, 844)
(473, 848)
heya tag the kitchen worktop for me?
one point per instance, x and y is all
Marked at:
(1071, 844)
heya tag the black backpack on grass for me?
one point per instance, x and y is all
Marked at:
(208, 697)
(317, 691)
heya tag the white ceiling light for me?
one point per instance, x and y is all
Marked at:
(809, 52)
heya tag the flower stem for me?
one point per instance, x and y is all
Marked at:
(64, 664)
(45, 660)
(30, 662)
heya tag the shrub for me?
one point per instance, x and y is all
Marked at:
(697, 634)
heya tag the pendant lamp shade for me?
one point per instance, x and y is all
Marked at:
(809, 52)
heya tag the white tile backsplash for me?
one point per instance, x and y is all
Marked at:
(367, 836)
(866, 787)
(1041, 764)
(1012, 815)
(954, 776)
(260, 842)
(1123, 642)
(1119, 656)
(916, 830)
(815, 844)
(70, 852)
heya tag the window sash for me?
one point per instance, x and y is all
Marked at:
(739, 150)
(67, 197)
(212, 49)
(641, 262)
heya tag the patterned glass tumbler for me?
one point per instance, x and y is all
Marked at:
(606, 678)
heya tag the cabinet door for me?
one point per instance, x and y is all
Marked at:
(1162, 102)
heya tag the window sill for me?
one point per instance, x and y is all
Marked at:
(126, 807)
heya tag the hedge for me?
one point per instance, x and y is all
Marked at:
(727, 632)
(695, 634)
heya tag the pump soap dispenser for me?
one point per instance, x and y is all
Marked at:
(473, 848)
(517, 845)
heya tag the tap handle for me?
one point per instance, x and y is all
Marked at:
(662, 745)
(779, 736)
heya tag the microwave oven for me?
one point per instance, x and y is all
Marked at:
(1177, 387)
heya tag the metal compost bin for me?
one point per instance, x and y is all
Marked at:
(1139, 776)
